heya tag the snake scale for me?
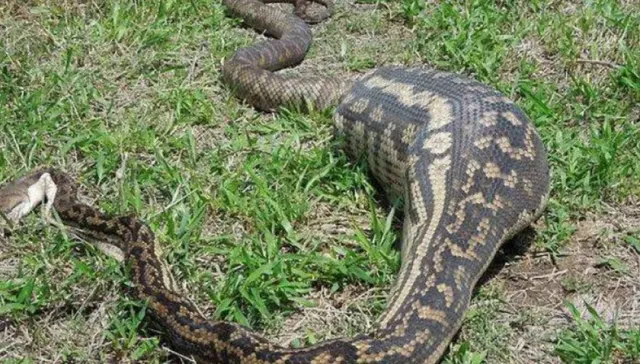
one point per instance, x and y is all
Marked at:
(468, 162)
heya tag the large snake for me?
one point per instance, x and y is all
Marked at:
(469, 164)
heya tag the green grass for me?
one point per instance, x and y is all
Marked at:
(258, 213)
(595, 341)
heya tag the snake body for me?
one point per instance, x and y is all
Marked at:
(250, 70)
(468, 162)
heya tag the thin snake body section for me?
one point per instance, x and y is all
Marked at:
(249, 70)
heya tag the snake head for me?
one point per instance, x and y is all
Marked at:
(313, 17)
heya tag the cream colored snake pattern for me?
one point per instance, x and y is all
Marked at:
(469, 164)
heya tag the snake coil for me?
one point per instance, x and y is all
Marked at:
(468, 162)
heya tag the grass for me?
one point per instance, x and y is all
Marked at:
(595, 341)
(263, 220)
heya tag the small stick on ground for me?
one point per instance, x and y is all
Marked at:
(600, 63)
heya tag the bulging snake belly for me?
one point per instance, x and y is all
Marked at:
(469, 164)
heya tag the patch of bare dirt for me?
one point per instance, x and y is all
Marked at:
(536, 286)
(596, 261)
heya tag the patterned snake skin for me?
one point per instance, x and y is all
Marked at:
(249, 71)
(470, 166)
